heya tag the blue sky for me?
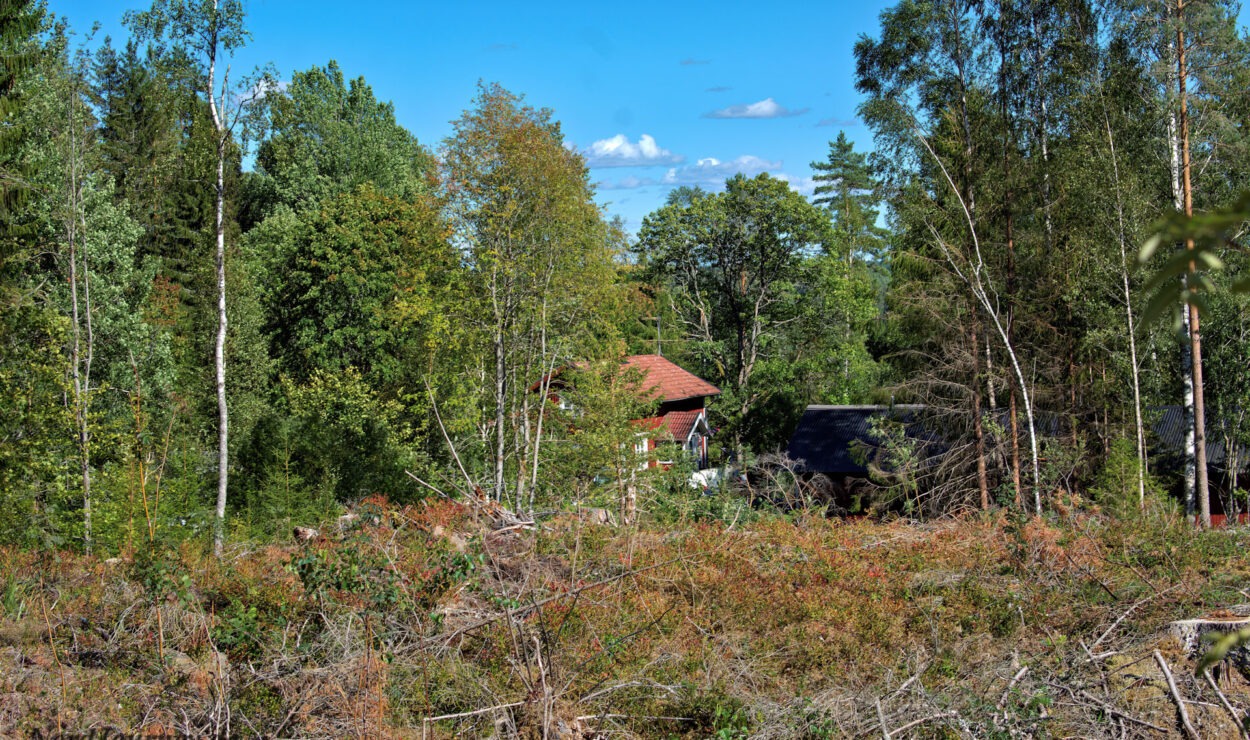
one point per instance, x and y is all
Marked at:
(656, 94)
(674, 92)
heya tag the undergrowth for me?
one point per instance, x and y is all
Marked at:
(701, 622)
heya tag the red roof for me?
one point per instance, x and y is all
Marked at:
(667, 382)
(675, 425)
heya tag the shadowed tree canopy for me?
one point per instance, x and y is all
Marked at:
(354, 284)
(20, 21)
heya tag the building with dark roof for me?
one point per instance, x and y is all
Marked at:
(825, 438)
(825, 441)
(832, 444)
(1167, 424)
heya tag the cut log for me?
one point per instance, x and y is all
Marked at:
(1192, 633)
(305, 534)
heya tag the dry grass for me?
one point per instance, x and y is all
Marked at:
(422, 622)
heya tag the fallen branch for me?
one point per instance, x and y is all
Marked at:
(425, 723)
(450, 445)
(1127, 612)
(1095, 658)
(1241, 728)
(1002, 701)
(672, 690)
(908, 682)
(1112, 709)
(1176, 696)
(427, 485)
(922, 720)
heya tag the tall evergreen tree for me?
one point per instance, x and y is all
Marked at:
(846, 188)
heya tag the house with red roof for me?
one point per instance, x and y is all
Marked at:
(680, 420)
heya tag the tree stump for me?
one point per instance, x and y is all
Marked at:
(1193, 634)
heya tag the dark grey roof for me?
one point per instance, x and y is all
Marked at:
(824, 435)
(1167, 424)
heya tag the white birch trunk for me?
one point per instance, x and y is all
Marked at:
(973, 278)
(219, 347)
(1129, 323)
(1178, 200)
(1201, 488)
(501, 402)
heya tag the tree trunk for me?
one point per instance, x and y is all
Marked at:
(1178, 201)
(1043, 137)
(1009, 229)
(969, 268)
(219, 353)
(219, 349)
(501, 401)
(1129, 323)
(548, 369)
(978, 429)
(1201, 488)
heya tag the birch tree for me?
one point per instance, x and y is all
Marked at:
(922, 75)
(209, 32)
(539, 258)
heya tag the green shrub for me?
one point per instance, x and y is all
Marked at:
(1117, 489)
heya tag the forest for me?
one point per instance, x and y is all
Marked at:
(233, 305)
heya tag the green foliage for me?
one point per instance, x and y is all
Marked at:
(345, 441)
(359, 282)
(326, 138)
(848, 190)
(675, 502)
(1208, 233)
(729, 263)
(159, 566)
(539, 286)
(352, 573)
(591, 435)
(20, 50)
(36, 433)
(1116, 486)
(894, 460)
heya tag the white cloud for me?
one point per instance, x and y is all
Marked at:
(627, 183)
(766, 108)
(804, 186)
(619, 151)
(711, 172)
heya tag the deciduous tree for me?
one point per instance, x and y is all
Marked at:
(209, 31)
(732, 260)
